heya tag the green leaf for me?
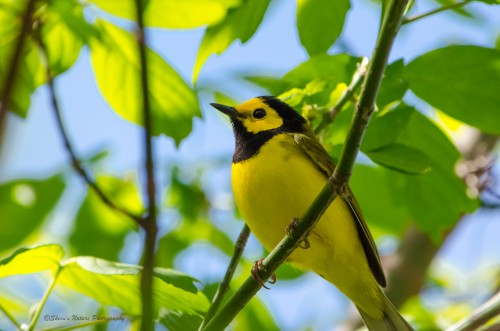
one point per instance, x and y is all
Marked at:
(174, 320)
(337, 68)
(118, 285)
(385, 127)
(188, 198)
(401, 158)
(188, 233)
(171, 14)
(30, 75)
(462, 81)
(394, 85)
(117, 70)
(105, 226)
(274, 85)
(436, 200)
(373, 192)
(64, 32)
(24, 205)
(177, 278)
(240, 23)
(255, 316)
(30, 260)
(320, 23)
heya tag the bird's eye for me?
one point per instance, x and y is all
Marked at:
(259, 113)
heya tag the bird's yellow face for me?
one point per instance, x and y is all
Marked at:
(256, 116)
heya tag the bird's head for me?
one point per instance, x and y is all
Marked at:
(263, 114)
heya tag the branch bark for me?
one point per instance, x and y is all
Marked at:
(480, 316)
(10, 78)
(149, 225)
(435, 11)
(75, 162)
(224, 285)
(339, 179)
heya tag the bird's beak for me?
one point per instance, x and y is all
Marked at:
(229, 111)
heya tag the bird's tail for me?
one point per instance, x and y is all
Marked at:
(391, 321)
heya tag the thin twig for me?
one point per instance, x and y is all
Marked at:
(12, 73)
(347, 95)
(337, 182)
(150, 223)
(224, 285)
(480, 316)
(76, 326)
(75, 162)
(10, 317)
(39, 308)
(435, 11)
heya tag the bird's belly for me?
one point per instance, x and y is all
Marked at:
(279, 185)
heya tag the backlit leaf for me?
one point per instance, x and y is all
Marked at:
(31, 260)
(118, 285)
(461, 81)
(240, 23)
(401, 158)
(24, 205)
(105, 226)
(172, 14)
(117, 70)
(320, 23)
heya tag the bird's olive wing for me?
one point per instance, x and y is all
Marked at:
(315, 151)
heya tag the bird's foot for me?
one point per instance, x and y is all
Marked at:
(257, 267)
(291, 228)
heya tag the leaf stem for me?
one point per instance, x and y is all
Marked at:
(39, 309)
(12, 74)
(224, 285)
(347, 95)
(337, 182)
(480, 316)
(435, 11)
(10, 317)
(77, 326)
(75, 162)
(149, 225)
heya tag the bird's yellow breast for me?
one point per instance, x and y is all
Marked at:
(279, 183)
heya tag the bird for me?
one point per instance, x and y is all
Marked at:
(278, 168)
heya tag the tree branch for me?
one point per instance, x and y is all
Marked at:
(480, 316)
(10, 317)
(150, 225)
(224, 285)
(339, 179)
(435, 11)
(347, 95)
(75, 162)
(39, 308)
(10, 79)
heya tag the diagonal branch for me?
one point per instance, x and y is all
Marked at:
(435, 11)
(10, 78)
(10, 317)
(224, 285)
(337, 182)
(481, 315)
(150, 225)
(75, 162)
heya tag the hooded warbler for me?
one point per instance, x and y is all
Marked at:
(278, 169)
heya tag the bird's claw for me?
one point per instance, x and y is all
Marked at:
(291, 227)
(257, 267)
